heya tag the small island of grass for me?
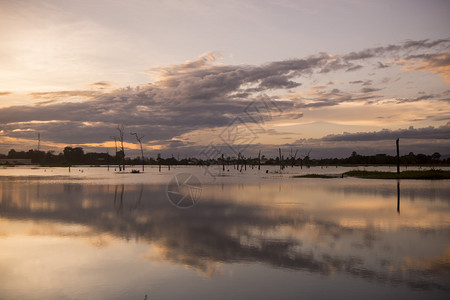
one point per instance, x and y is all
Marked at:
(416, 174)
(316, 176)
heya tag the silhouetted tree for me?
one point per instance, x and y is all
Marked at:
(73, 155)
(121, 130)
(436, 156)
(139, 139)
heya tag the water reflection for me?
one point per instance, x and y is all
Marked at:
(341, 227)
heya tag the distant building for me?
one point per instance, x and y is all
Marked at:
(15, 161)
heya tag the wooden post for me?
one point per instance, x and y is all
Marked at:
(398, 158)
(223, 164)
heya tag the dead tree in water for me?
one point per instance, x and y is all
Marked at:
(293, 157)
(305, 159)
(139, 139)
(121, 130)
(115, 145)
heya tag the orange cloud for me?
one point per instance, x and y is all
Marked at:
(439, 64)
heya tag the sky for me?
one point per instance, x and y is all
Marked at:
(201, 78)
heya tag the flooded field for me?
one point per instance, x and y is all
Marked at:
(97, 234)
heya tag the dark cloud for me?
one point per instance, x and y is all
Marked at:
(415, 99)
(199, 94)
(381, 65)
(5, 93)
(334, 97)
(435, 60)
(369, 90)
(354, 68)
(277, 82)
(100, 85)
(395, 49)
(425, 43)
(364, 83)
(442, 132)
(368, 53)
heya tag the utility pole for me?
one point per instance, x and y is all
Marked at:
(398, 158)
(259, 160)
(281, 163)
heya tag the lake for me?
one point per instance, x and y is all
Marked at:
(204, 233)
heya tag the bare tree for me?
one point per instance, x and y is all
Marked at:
(293, 157)
(115, 145)
(306, 159)
(139, 139)
(121, 130)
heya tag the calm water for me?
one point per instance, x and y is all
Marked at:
(93, 234)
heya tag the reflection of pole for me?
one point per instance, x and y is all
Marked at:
(115, 195)
(119, 209)
(398, 158)
(398, 196)
(138, 201)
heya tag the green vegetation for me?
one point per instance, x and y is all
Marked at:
(418, 174)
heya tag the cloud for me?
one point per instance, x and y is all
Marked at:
(395, 49)
(354, 68)
(277, 82)
(204, 94)
(369, 90)
(356, 82)
(5, 93)
(437, 63)
(60, 95)
(381, 65)
(415, 99)
(101, 84)
(442, 132)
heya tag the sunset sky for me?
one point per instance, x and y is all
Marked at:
(198, 78)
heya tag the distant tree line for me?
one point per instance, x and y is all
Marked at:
(77, 156)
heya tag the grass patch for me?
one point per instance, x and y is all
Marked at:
(316, 176)
(418, 174)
